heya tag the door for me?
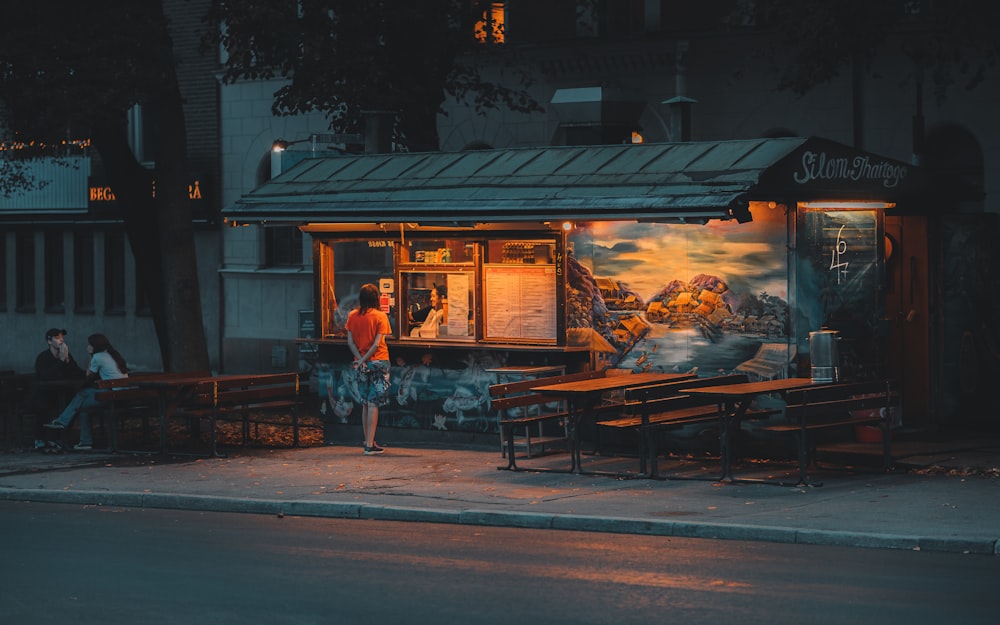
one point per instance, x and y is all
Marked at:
(907, 310)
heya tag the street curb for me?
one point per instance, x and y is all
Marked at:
(528, 520)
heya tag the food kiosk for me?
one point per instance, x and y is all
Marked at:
(709, 257)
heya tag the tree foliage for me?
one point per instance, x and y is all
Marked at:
(343, 57)
(954, 42)
(71, 71)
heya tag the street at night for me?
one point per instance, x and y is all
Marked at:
(499, 311)
(116, 565)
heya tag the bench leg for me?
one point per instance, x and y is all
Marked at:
(653, 451)
(802, 453)
(886, 451)
(645, 447)
(508, 435)
(213, 436)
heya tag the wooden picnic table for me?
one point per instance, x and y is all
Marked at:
(733, 402)
(175, 390)
(584, 395)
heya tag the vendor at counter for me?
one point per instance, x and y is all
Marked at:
(427, 321)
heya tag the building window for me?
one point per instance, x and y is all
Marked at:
(55, 277)
(114, 273)
(83, 272)
(25, 270)
(490, 18)
(282, 246)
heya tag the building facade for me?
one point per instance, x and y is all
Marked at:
(658, 78)
(65, 261)
(650, 71)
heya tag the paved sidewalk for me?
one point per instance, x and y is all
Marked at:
(937, 509)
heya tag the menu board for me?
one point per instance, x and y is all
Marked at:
(520, 302)
(458, 313)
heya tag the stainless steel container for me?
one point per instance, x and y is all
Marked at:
(824, 355)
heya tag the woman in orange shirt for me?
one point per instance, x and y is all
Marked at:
(367, 327)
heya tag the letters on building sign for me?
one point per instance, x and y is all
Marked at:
(819, 166)
(105, 194)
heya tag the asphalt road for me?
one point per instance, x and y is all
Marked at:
(65, 563)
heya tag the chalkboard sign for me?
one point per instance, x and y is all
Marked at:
(307, 330)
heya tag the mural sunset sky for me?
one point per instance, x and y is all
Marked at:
(646, 256)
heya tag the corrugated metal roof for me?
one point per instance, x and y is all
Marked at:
(645, 181)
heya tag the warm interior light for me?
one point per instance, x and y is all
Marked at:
(847, 204)
(567, 226)
(490, 29)
(280, 145)
(636, 137)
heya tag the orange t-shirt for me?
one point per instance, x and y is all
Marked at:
(364, 328)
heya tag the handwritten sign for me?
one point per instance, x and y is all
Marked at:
(836, 256)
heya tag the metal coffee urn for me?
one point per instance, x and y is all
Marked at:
(824, 356)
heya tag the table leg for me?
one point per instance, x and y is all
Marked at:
(730, 415)
(163, 422)
(724, 451)
(574, 436)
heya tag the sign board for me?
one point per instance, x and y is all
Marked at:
(307, 330)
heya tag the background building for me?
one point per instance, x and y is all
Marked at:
(64, 258)
(605, 72)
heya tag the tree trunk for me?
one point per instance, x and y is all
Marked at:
(159, 230)
(186, 345)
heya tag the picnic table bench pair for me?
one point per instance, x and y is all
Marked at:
(653, 410)
(249, 399)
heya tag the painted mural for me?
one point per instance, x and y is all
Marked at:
(710, 298)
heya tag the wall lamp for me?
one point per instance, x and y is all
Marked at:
(280, 145)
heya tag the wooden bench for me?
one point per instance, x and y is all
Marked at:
(518, 407)
(30, 401)
(246, 399)
(125, 400)
(835, 406)
(658, 408)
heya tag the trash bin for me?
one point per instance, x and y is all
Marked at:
(824, 355)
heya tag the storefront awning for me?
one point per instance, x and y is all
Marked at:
(645, 182)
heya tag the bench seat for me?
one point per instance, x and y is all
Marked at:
(656, 409)
(519, 408)
(247, 400)
(126, 401)
(835, 406)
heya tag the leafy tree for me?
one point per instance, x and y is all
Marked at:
(343, 57)
(74, 69)
(955, 42)
(814, 41)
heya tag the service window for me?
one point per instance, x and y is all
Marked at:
(345, 265)
(438, 304)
